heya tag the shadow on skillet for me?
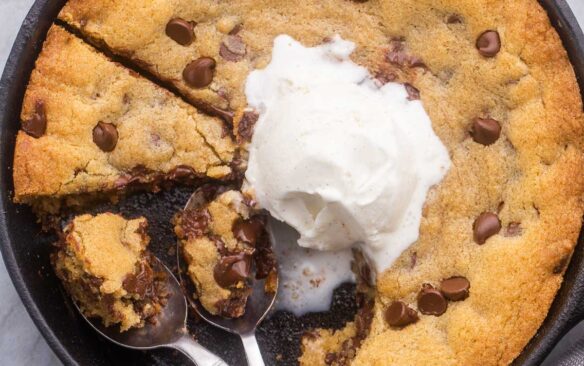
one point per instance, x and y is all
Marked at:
(26, 252)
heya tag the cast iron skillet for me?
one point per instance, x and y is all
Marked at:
(26, 251)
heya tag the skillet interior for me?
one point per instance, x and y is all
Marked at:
(26, 251)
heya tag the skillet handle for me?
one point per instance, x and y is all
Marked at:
(197, 353)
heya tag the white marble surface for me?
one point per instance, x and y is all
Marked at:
(21, 343)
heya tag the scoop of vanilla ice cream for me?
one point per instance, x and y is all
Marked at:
(344, 161)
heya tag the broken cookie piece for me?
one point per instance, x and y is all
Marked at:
(105, 266)
(223, 241)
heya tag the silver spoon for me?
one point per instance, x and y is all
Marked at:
(169, 332)
(258, 306)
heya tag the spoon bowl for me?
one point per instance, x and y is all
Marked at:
(257, 308)
(169, 330)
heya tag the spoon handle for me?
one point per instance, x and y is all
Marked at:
(197, 353)
(252, 350)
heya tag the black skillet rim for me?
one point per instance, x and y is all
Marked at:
(564, 313)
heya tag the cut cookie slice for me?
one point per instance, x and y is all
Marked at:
(222, 241)
(91, 126)
(206, 49)
(104, 265)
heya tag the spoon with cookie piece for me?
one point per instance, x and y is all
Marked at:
(226, 264)
(168, 331)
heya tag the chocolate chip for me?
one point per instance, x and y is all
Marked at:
(181, 31)
(105, 136)
(489, 43)
(36, 125)
(225, 115)
(485, 131)
(194, 223)
(485, 226)
(181, 172)
(385, 76)
(455, 288)
(200, 72)
(232, 269)
(248, 231)
(246, 125)
(137, 175)
(413, 93)
(236, 29)
(233, 48)
(398, 314)
(138, 284)
(513, 229)
(416, 62)
(431, 301)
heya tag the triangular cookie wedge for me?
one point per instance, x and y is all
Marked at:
(92, 127)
